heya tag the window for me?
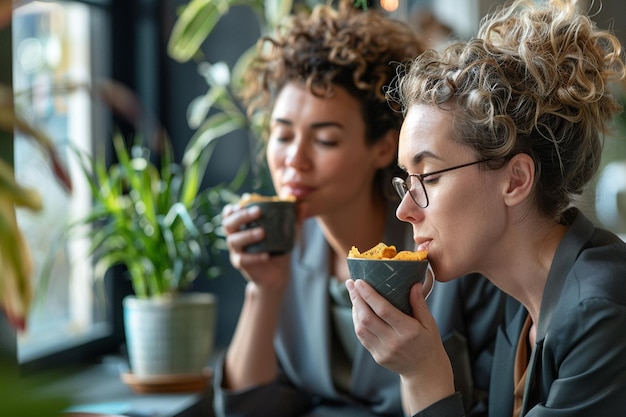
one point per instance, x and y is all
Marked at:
(56, 60)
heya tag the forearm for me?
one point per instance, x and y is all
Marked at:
(251, 359)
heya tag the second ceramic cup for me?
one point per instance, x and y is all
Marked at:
(278, 218)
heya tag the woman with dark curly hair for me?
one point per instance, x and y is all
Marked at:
(501, 132)
(331, 141)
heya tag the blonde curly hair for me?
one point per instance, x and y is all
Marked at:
(536, 80)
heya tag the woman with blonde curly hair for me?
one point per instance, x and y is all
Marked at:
(331, 141)
(501, 132)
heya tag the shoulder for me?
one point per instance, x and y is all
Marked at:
(600, 269)
(594, 292)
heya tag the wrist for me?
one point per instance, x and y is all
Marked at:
(263, 293)
(423, 393)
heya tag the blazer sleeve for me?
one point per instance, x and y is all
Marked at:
(451, 406)
(276, 399)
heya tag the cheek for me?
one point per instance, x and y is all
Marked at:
(475, 237)
(275, 156)
(468, 223)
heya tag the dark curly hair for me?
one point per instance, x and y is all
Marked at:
(536, 80)
(358, 50)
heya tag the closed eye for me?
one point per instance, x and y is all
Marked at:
(430, 180)
(281, 139)
(327, 143)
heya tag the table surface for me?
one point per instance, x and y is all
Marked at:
(99, 389)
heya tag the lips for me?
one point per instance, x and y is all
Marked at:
(300, 191)
(423, 245)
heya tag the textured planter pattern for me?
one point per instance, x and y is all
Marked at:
(170, 336)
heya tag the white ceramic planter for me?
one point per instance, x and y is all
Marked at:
(170, 336)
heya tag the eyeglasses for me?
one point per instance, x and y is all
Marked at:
(418, 192)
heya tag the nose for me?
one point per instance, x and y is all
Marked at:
(408, 211)
(296, 155)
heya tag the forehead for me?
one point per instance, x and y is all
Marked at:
(295, 101)
(426, 130)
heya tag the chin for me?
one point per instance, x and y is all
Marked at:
(440, 275)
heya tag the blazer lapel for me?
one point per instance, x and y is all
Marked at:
(501, 386)
(531, 390)
(566, 254)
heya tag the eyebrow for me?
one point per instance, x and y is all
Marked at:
(419, 157)
(317, 125)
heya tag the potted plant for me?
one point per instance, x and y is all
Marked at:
(151, 214)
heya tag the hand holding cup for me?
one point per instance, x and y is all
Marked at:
(392, 273)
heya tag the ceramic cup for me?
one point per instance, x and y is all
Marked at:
(393, 279)
(278, 218)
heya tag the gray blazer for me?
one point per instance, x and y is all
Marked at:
(303, 343)
(578, 366)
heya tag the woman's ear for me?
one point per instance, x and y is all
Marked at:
(386, 149)
(520, 179)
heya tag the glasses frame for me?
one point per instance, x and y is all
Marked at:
(402, 189)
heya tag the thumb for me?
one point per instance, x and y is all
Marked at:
(419, 306)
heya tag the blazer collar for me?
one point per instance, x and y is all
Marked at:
(565, 256)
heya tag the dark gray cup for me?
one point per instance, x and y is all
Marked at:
(393, 279)
(278, 218)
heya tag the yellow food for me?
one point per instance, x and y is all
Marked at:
(248, 198)
(382, 251)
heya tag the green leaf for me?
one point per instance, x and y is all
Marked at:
(193, 26)
(200, 106)
(214, 127)
(241, 66)
(14, 192)
(276, 10)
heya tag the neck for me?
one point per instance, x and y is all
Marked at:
(527, 254)
(363, 227)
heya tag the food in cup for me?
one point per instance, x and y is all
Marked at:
(382, 251)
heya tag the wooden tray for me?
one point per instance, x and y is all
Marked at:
(168, 383)
(80, 414)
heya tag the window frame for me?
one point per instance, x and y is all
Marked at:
(127, 68)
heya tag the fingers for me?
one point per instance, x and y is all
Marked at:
(372, 313)
(418, 302)
(234, 217)
(363, 317)
(386, 332)
(389, 314)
